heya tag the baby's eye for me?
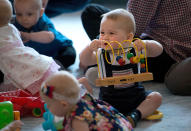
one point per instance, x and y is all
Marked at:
(101, 32)
(111, 33)
(18, 14)
(29, 14)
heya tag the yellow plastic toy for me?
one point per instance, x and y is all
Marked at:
(155, 116)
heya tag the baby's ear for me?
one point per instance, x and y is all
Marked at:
(130, 36)
(42, 11)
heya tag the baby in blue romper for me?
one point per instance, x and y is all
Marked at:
(38, 32)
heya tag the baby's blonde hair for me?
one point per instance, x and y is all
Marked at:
(66, 87)
(37, 4)
(5, 12)
(125, 17)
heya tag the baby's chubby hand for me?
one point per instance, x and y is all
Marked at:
(95, 44)
(139, 44)
(25, 36)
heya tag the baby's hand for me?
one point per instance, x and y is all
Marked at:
(14, 126)
(139, 44)
(25, 36)
(95, 44)
(84, 81)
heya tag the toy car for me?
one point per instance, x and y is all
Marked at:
(24, 102)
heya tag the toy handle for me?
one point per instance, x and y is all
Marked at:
(17, 117)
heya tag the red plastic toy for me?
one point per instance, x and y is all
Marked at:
(24, 102)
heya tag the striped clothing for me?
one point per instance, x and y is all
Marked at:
(167, 21)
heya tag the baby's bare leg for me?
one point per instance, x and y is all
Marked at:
(146, 108)
(150, 104)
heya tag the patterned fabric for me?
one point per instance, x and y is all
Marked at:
(167, 21)
(99, 115)
(23, 66)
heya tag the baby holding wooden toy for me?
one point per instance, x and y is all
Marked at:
(118, 26)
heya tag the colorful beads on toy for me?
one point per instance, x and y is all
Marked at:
(131, 60)
(142, 56)
(142, 65)
(142, 60)
(129, 55)
(136, 59)
(120, 60)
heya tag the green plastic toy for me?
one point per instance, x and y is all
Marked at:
(6, 113)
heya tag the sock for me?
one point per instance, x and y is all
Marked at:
(134, 117)
(139, 115)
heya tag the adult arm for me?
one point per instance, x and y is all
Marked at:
(143, 11)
